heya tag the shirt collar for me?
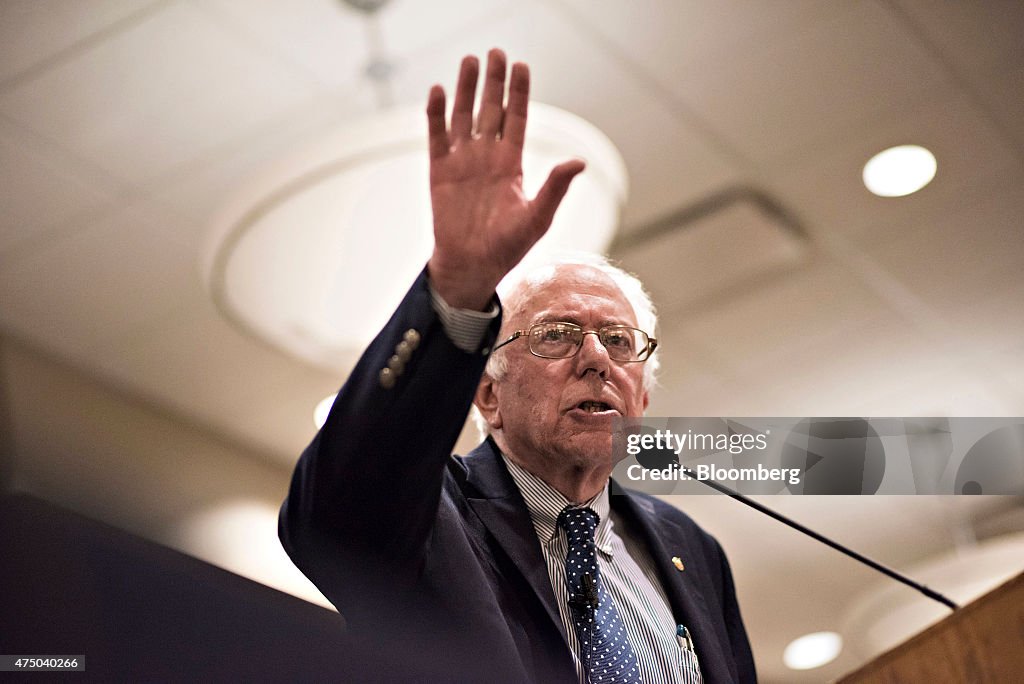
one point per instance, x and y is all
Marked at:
(545, 503)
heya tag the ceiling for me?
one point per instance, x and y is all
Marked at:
(126, 125)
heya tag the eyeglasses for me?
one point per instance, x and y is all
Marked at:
(562, 340)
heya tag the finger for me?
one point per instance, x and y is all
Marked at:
(465, 93)
(554, 189)
(518, 101)
(436, 132)
(492, 105)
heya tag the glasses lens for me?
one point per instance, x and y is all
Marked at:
(555, 340)
(624, 344)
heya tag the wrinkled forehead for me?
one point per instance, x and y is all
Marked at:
(567, 292)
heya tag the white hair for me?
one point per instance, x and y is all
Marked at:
(520, 282)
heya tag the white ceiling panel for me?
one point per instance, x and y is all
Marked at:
(976, 36)
(954, 391)
(969, 256)
(334, 42)
(1009, 366)
(33, 31)
(82, 290)
(322, 38)
(582, 78)
(199, 191)
(981, 43)
(701, 262)
(703, 398)
(784, 317)
(850, 365)
(664, 35)
(993, 323)
(41, 188)
(791, 95)
(825, 183)
(407, 27)
(155, 96)
(1005, 99)
(686, 377)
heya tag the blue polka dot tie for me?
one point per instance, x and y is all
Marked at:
(605, 650)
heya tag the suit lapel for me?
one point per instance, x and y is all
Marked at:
(496, 500)
(666, 540)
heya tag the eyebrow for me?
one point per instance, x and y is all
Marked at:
(556, 318)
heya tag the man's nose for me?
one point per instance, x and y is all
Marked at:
(592, 355)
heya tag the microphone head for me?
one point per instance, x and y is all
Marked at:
(586, 598)
(590, 590)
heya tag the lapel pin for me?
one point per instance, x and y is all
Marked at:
(678, 562)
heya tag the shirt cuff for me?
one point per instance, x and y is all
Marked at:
(464, 327)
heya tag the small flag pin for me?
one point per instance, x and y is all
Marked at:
(678, 562)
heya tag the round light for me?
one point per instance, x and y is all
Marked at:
(812, 650)
(323, 409)
(899, 171)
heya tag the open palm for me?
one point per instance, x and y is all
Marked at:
(483, 223)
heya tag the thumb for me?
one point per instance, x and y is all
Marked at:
(549, 197)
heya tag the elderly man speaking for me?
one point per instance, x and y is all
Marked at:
(523, 561)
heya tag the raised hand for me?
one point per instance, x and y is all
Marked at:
(483, 223)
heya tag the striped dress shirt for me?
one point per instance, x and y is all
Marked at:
(628, 574)
(625, 565)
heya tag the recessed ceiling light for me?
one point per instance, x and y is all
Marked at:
(812, 650)
(899, 171)
(323, 409)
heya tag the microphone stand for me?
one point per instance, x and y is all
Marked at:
(930, 593)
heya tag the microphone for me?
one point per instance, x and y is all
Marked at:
(590, 590)
(587, 597)
(874, 565)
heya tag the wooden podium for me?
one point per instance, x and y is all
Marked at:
(981, 642)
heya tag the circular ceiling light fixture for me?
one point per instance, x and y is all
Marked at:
(812, 650)
(899, 171)
(314, 255)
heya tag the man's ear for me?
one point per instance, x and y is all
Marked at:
(486, 401)
(647, 399)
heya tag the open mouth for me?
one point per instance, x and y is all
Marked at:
(593, 407)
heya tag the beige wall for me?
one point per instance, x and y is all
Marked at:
(74, 441)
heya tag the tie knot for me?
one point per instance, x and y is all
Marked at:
(578, 523)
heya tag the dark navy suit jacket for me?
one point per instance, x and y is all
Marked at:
(433, 559)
